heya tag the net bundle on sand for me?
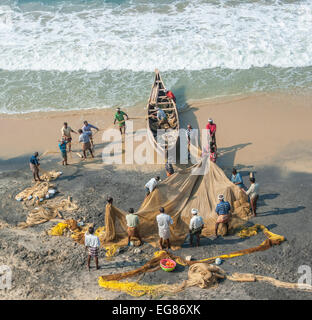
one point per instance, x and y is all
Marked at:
(47, 212)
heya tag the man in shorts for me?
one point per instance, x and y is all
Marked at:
(34, 166)
(119, 116)
(62, 146)
(66, 135)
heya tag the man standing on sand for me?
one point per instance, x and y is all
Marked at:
(212, 128)
(86, 145)
(223, 211)
(34, 166)
(119, 116)
(163, 221)
(87, 128)
(132, 224)
(196, 227)
(66, 134)
(253, 193)
(62, 146)
(151, 185)
(92, 244)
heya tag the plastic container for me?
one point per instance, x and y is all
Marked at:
(164, 264)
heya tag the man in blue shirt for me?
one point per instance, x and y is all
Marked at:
(237, 179)
(62, 146)
(87, 128)
(223, 211)
(34, 166)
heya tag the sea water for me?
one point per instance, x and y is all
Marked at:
(78, 54)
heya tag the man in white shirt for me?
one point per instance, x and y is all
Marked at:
(92, 244)
(66, 134)
(196, 226)
(163, 220)
(253, 193)
(151, 185)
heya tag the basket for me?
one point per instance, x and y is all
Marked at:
(163, 265)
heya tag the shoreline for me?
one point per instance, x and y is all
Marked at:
(251, 129)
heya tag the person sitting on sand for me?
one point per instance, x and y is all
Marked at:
(253, 193)
(169, 169)
(223, 211)
(237, 179)
(170, 95)
(34, 166)
(196, 227)
(92, 244)
(163, 220)
(212, 128)
(87, 128)
(151, 185)
(62, 146)
(132, 224)
(66, 134)
(86, 145)
(119, 116)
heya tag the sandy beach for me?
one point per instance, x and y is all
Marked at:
(268, 134)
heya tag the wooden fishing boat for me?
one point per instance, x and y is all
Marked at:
(164, 136)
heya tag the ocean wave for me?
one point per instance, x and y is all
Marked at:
(141, 35)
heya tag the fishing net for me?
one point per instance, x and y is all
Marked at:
(178, 194)
(48, 212)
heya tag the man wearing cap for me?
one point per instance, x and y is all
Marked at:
(223, 211)
(196, 226)
(119, 116)
(151, 185)
(132, 224)
(163, 220)
(212, 128)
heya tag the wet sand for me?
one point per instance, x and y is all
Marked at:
(46, 267)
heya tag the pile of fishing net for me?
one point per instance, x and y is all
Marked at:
(50, 175)
(47, 212)
(201, 273)
(35, 193)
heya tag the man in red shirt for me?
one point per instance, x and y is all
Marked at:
(170, 95)
(212, 127)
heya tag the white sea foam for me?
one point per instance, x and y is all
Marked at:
(140, 35)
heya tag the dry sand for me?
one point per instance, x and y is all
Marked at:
(265, 133)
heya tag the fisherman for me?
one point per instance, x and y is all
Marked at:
(213, 152)
(160, 116)
(151, 185)
(86, 145)
(163, 220)
(34, 166)
(132, 224)
(92, 244)
(169, 169)
(237, 179)
(66, 134)
(62, 146)
(212, 128)
(119, 116)
(87, 128)
(196, 227)
(170, 95)
(109, 200)
(253, 193)
(223, 211)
